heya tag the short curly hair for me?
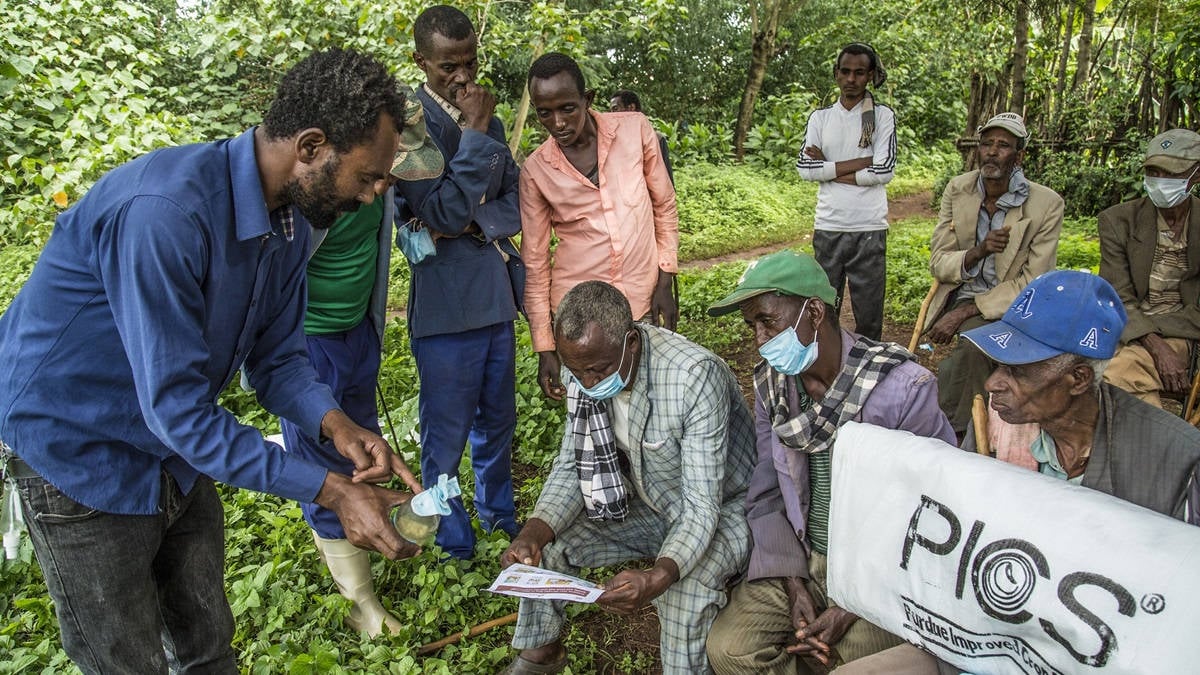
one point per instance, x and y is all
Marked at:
(593, 302)
(339, 91)
(444, 20)
(552, 63)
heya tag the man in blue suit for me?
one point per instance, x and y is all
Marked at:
(462, 301)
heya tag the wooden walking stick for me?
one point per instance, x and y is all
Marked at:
(979, 420)
(1190, 412)
(917, 329)
(432, 647)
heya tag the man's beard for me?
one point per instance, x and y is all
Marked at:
(318, 201)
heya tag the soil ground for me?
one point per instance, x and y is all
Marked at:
(630, 644)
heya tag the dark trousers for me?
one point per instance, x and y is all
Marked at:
(134, 594)
(468, 393)
(961, 375)
(349, 363)
(859, 258)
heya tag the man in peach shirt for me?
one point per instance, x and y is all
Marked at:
(599, 185)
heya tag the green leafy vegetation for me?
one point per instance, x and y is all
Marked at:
(16, 262)
(908, 277)
(730, 208)
(88, 85)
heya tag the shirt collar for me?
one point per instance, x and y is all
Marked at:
(451, 110)
(285, 216)
(1045, 451)
(606, 131)
(1018, 189)
(250, 215)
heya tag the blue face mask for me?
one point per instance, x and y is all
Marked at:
(786, 354)
(611, 385)
(416, 245)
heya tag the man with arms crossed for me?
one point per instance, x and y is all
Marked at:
(850, 149)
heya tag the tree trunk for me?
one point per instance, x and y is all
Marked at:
(764, 30)
(514, 138)
(1020, 58)
(1084, 63)
(1060, 75)
(1170, 107)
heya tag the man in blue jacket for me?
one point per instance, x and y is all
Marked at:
(462, 302)
(170, 273)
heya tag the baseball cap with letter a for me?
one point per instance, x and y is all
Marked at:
(1063, 311)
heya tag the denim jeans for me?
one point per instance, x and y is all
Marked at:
(136, 594)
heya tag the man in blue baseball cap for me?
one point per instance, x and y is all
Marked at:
(1052, 346)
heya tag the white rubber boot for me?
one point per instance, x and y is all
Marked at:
(350, 568)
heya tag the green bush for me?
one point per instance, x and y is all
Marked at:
(908, 277)
(919, 168)
(775, 142)
(697, 290)
(698, 143)
(1079, 245)
(730, 208)
(16, 262)
(80, 81)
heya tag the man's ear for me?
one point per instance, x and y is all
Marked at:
(419, 59)
(1082, 377)
(816, 310)
(589, 95)
(310, 144)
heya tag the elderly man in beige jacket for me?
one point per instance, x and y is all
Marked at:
(996, 231)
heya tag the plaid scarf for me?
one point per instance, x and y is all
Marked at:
(596, 458)
(868, 121)
(814, 429)
(868, 111)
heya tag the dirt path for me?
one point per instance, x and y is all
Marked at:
(901, 208)
(916, 205)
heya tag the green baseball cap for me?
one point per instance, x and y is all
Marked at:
(1173, 151)
(786, 272)
(418, 158)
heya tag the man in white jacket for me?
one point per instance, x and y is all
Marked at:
(850, 149)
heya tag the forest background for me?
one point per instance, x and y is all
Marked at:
(86, 85)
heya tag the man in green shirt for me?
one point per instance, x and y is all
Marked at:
(347, 302)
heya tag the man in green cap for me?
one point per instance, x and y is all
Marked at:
(1150, 253)
(814, 377)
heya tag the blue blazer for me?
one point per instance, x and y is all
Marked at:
(467, 284)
